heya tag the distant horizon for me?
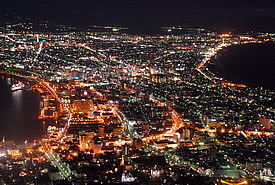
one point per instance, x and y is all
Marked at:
(258, 24)
(212, 14)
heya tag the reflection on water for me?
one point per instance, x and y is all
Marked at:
(17, 98)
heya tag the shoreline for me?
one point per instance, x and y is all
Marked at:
(209, 68)
(222, 70)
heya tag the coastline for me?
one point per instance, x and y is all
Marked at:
(229, 74)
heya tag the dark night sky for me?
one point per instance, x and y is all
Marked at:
(143, 12)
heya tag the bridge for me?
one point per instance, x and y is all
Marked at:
(42, 83)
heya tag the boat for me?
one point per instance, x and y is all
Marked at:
(18, 86)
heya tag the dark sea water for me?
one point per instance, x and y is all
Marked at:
(250, 64)
(18, 114)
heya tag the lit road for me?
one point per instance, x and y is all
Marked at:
(64, 169)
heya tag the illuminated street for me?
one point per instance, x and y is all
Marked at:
(121, 108)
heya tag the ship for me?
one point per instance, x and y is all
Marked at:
(18, 86)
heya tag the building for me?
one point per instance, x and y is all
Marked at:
(137, 144)
(265, 122)
(96, 145)
(117, 132)
(101, 131)
(83, 142)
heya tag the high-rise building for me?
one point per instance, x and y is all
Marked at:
(96, 145)
(187, 134)
(125, 149)
(83, 142)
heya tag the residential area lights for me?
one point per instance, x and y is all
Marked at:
(125, 108)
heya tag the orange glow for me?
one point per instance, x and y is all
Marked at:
(233, 182)
(226, 35)
(229, 84)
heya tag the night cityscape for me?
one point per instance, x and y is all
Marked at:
(116, 101)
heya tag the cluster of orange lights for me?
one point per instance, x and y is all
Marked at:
(226, 35)
(229, 84)
(234, 182)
